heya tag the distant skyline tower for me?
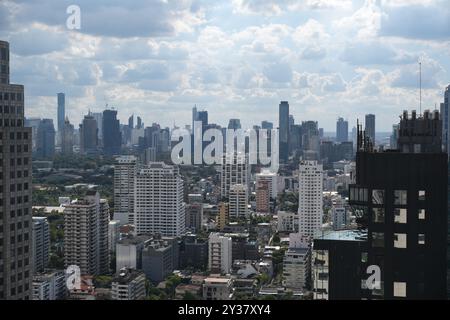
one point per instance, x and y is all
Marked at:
(45, 144)
(67, 138)
(283, 125)
(266, 125)
(61, 111)
(234, 124)
(341, 130)
(112, 137)
(89, 135)
(370, 127)
(131, 122)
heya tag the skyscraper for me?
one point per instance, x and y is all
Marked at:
(266, 125)
(234, 124)
(86, 224)
(283, 126)
(88, 135)
(45, 144)
(61, 111)
(67, 138)
(41, 243)
(341, 130)
(124, 173)
(158, 200)
(238, 201)
(445, 119)
(112, 137)
(402, 198)
(16, 259)
(310, 188)
(370, 127)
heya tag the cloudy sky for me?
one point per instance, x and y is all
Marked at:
(234, 58)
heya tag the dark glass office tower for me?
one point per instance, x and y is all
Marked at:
(112, 137)
(370, 127)
(403, 198)
(89, 135)
(283, 127)
(15, 189)
(45, 144)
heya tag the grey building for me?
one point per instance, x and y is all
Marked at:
(193, 253)
(41, 243)
(160, 258)
(128, 284)
(16, 259)
(341, 130)
(67, 138)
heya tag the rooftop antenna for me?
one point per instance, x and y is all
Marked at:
(420, 84)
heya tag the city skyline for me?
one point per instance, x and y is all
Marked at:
(254, 54)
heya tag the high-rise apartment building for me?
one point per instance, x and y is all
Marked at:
(310, 188)
(41, 243)
(238, 201)
(283, 126)
(262, 196)
(194, 217)
(223, 216)
(16, 258)
(235, 170)
(86, 234)
(158, 200)
(50, 285)
(124, 173)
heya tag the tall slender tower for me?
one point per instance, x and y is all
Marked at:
(310, 198)
(61, 111)
(370, 127)
(16, 262)
(283, 125)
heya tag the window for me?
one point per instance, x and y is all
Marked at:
(400, 240)
(378, 215)
(400, 289)
(400, 197)
(422, 195)
(378, 196)
(377, 239)
(421, 214)
(421, 238)
(400, 215)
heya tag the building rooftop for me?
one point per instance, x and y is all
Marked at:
(125, 275)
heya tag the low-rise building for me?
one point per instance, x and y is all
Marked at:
(128, 284)
(217, 288)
